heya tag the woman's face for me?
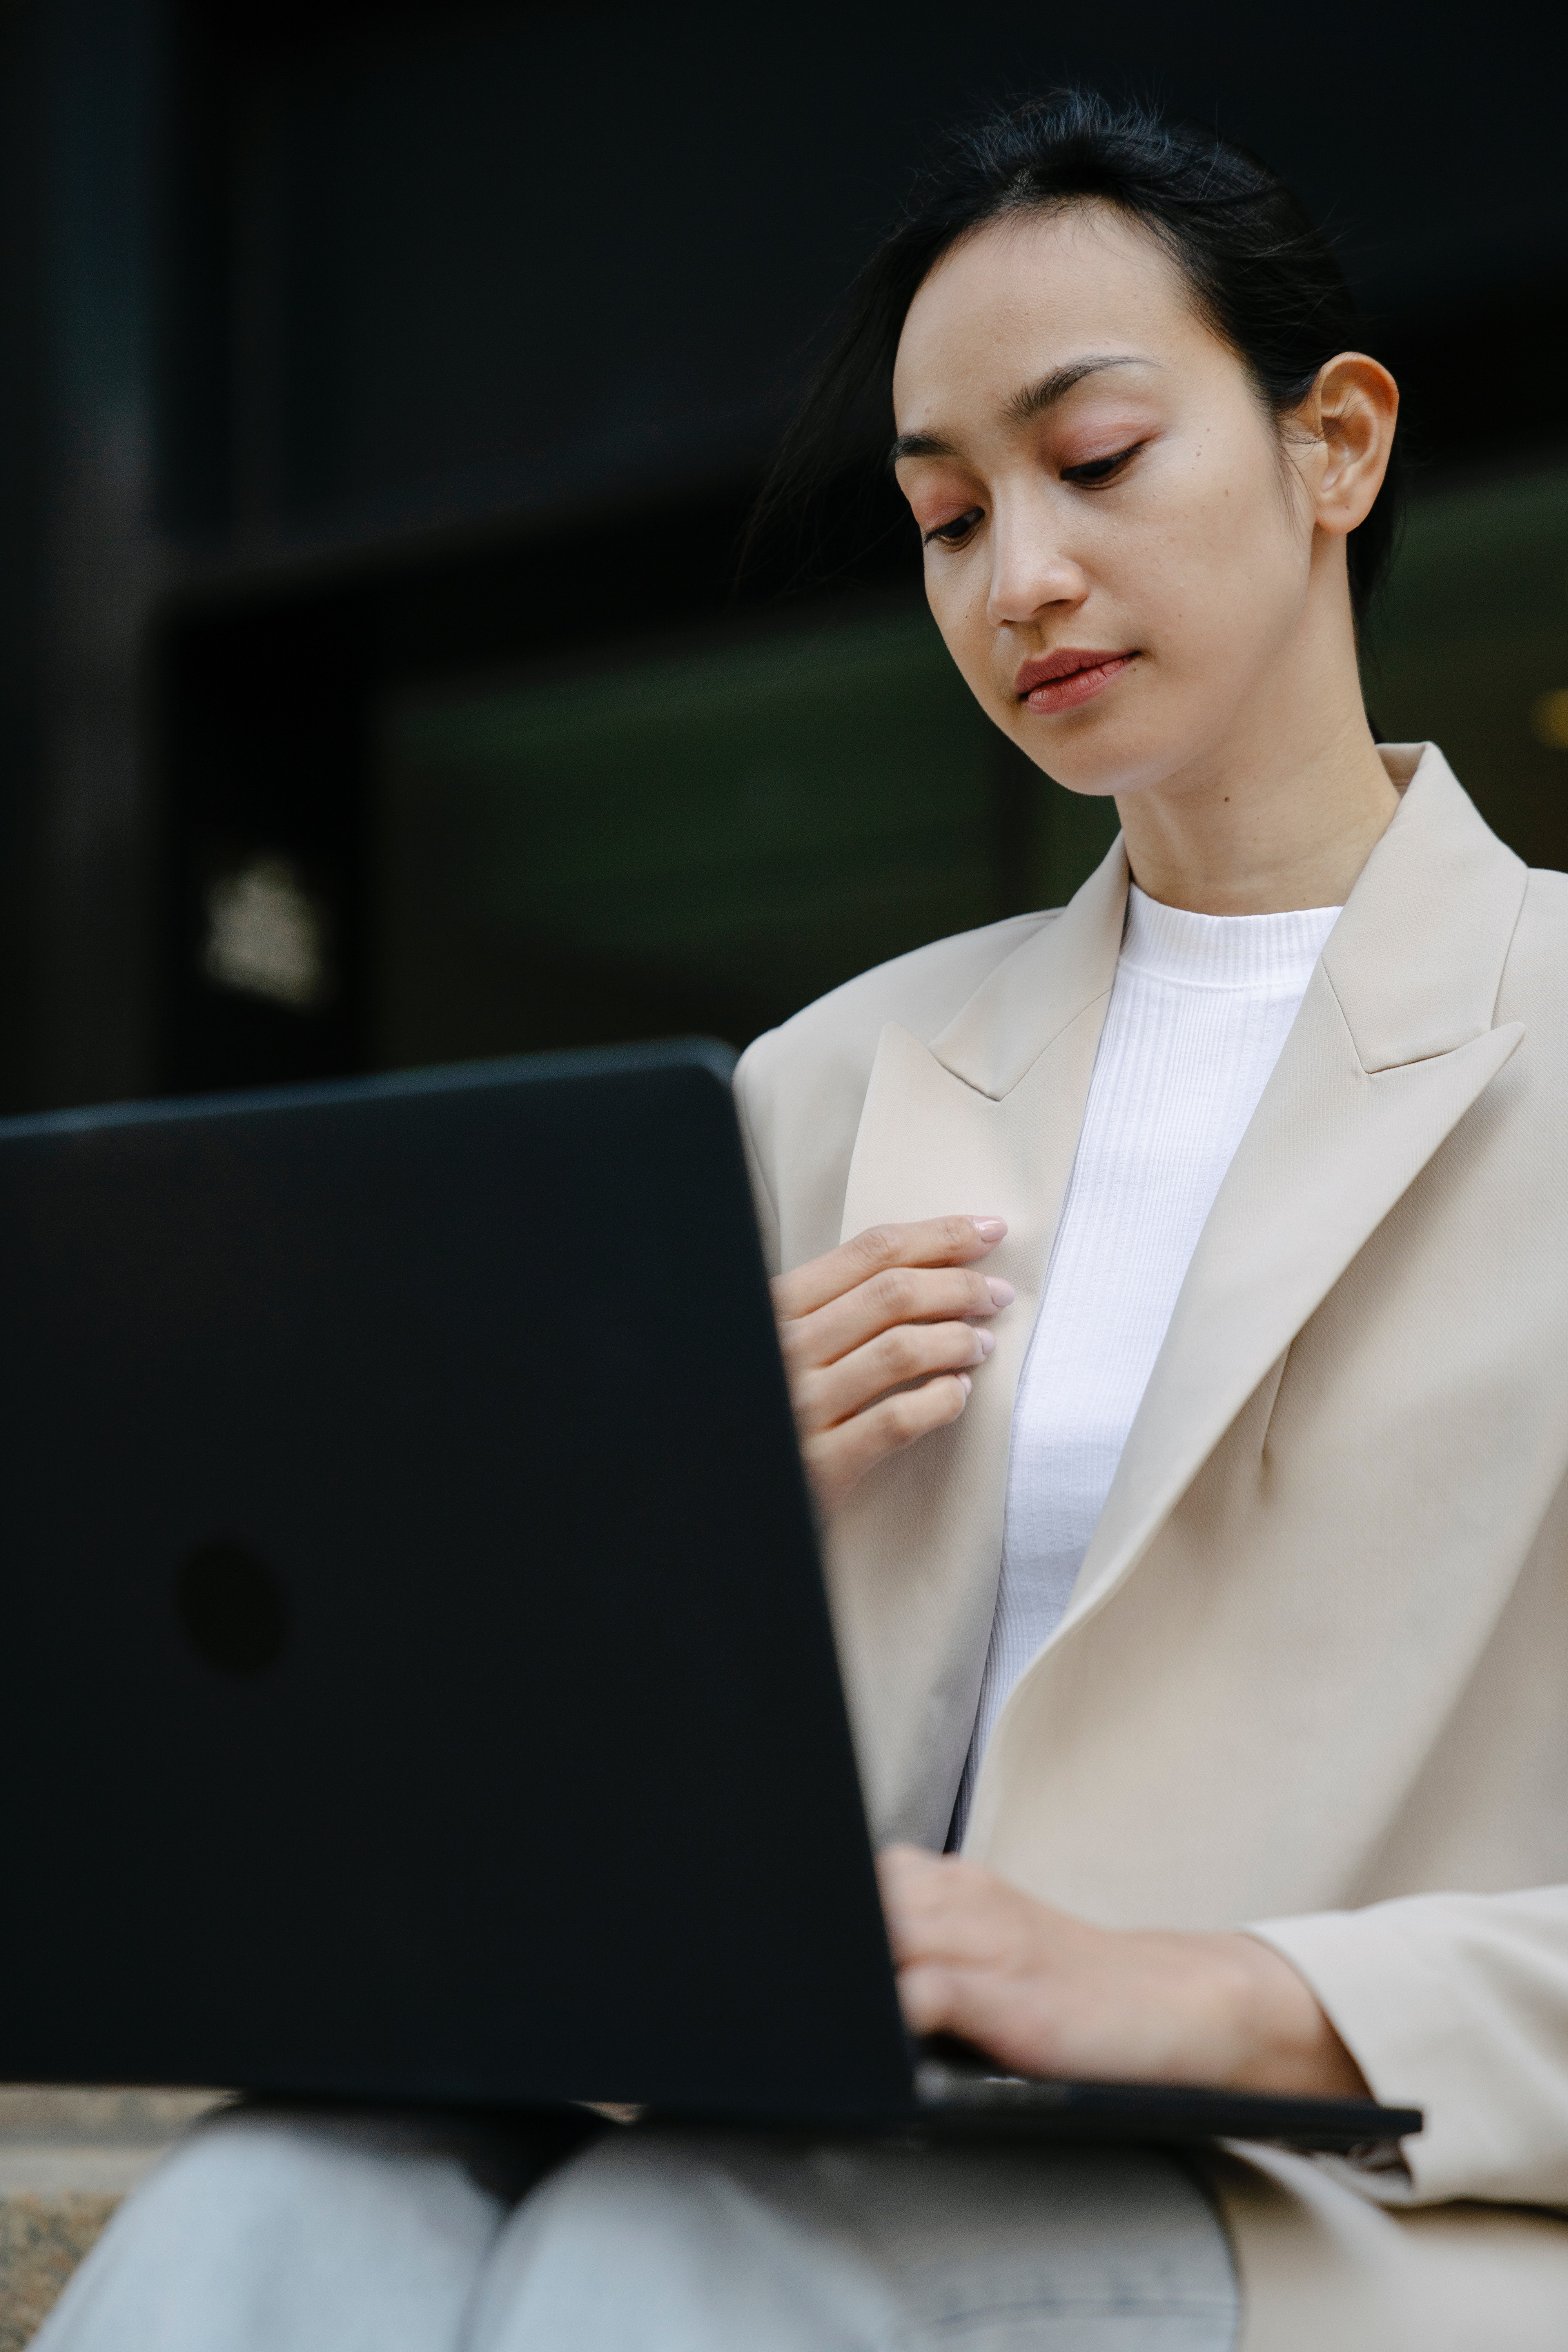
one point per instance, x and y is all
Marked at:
(1116, 553)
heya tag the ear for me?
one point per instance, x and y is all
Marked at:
(1350, 416)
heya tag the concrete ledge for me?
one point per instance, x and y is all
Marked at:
(68, 2158)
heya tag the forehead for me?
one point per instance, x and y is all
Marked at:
(1031, 293)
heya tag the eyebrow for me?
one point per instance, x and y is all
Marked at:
(1033, 401)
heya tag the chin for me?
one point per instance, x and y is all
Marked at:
(1106, 755)
(1096, 762)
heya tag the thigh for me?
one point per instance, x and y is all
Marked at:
(271, 2229)
(668, 2242)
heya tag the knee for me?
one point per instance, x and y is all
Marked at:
(263, 2228)
(243, 2166)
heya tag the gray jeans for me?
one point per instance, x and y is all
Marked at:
(271, 2231)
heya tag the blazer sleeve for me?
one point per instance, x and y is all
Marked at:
(751, 1109)
(1459, 2004)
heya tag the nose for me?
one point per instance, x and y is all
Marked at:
(1031, 573)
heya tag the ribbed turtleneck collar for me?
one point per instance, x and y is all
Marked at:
(1263, 951)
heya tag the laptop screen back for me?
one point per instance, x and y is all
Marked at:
(416, 1679)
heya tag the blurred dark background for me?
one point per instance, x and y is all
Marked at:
(382, 388)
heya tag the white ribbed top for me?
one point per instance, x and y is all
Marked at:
(1200, 1008)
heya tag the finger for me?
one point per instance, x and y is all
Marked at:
(953, 1940)
(975, 2005)
(902, 1865)
(968, 2002)
(905, 1873)
(900, 1295)
(933, 1240)
(953, 1910)
(925, 1996)
(837, 1459)
(828, 1394)
(901, 1873)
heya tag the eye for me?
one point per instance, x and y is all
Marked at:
(1096, 470)
(954, 533)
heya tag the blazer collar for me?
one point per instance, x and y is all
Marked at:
(1021, 1008)
(1416, 959)
(1393, 1044)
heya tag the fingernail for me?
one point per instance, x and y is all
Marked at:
(987, 1341)
(1001, 1292)
(990, 1229)
(965, 1382)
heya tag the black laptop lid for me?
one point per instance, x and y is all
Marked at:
(416, 1680)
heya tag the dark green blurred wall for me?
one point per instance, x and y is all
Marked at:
(1472, 649)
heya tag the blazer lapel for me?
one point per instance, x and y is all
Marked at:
(986, 1118)
(1393, 1044)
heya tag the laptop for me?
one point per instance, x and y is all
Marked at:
(416, 1682)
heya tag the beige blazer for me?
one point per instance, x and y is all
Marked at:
(1315, 1675)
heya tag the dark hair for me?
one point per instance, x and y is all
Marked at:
(1260, 273)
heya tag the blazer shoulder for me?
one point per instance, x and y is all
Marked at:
(799, 1088)
(1534, 983)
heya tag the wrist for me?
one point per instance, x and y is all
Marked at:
(1288, 2044)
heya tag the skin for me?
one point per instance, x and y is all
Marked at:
(1092, 470)
(1155, 509)
(898, 1303)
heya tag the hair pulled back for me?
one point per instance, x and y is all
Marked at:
(1259, 273)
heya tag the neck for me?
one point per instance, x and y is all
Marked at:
(1283, 815)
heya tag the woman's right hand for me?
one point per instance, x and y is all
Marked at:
(880, 1338)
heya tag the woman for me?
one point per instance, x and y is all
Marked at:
(1188, 1406)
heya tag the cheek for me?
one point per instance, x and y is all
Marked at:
(1225, 560)
(956, 593)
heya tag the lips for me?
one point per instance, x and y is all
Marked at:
(1074, 674)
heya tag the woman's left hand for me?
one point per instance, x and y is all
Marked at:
(1048, 1995)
